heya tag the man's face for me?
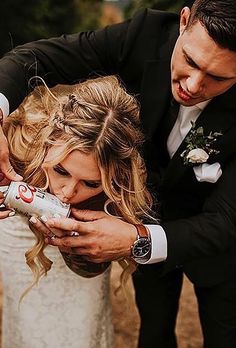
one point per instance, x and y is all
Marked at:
(200, 69)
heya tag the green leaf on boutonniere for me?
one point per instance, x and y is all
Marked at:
(199, 146)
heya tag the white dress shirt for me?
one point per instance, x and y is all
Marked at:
(177, 135)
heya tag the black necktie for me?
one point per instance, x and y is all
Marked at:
(164, 129)
(156, 152)
(170, 117)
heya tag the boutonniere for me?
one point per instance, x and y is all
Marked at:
(199, 146)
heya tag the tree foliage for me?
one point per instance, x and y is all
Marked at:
(28, 20)
(163, 5)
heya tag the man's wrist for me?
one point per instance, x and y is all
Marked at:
(141, 248)
(159, 245)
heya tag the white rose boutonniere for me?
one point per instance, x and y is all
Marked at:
(197, 156)
(199, 146)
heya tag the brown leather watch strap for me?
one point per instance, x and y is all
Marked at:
(142, 231)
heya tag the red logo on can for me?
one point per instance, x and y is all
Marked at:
(26, 193)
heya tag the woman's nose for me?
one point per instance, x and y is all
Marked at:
(69, 190)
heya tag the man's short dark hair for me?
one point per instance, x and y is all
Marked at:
(219, 19)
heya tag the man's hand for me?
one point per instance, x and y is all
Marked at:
(5, 165)
(101, 237)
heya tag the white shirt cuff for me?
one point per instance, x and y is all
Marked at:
(4, 105)
(159, 245)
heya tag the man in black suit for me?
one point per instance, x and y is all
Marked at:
(191, 170)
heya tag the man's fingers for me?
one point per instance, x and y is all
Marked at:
(88, 215)
(67, 242)
(68, 224)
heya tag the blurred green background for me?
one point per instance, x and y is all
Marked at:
(27, 20)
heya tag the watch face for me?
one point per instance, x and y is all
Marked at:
(141, 247)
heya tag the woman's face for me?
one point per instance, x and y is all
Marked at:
(76, 178)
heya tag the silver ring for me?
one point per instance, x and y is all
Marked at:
(52, 236)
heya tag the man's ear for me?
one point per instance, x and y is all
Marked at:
(184, 17)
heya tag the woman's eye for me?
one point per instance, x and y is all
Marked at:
(60, 171)
(92, 184)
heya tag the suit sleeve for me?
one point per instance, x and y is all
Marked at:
(67, 59)
(210, 233)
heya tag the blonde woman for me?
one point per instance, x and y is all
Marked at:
(82, 146)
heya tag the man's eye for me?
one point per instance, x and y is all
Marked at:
(216, 78)
(92, 184)
(60, 171)
(190, 62)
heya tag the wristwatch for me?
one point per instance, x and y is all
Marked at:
(141, 249)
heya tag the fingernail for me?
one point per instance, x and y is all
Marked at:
(18, 177)
(33, 220)
(12, 213)
(43, 218)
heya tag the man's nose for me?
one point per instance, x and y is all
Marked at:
(194, 83)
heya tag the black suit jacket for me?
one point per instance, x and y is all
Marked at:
(199, 218)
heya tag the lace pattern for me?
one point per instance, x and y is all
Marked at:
(64, 310)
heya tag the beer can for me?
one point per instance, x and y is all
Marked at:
(33, 201)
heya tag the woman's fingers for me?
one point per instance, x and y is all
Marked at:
(47, 231)
(6, 213)
(41, 227)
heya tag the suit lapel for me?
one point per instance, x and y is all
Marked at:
(218, 116)
(155, 94)
(155, 87)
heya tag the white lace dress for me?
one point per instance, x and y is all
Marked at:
(64, 311)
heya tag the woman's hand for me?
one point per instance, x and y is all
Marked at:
(4, 211)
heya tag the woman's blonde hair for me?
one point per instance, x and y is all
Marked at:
(96, 116)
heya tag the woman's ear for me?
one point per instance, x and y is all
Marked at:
(184, 18)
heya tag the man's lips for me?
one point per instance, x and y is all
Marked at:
(182, 94)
